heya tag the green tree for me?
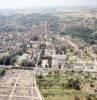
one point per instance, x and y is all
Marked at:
(26, 63)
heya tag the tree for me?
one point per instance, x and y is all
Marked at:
(63, 85)
(26, 63)
(76, 97)
(5, 60)
(88, 97)
(2, 72)
(73, 84)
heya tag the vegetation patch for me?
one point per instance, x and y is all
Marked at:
(70, 86)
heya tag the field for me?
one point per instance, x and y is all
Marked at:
(17, 85)
(69, 86)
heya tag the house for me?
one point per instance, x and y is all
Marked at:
(58, 61)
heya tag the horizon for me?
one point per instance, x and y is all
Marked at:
(23, 4)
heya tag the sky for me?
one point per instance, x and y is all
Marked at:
(4, 4)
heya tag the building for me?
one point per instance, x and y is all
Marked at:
(59, 61)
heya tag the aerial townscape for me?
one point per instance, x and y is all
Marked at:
(48, 54)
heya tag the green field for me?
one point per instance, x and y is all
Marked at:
(69, 86)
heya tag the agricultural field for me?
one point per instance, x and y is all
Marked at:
(17, 85)
(70, 85)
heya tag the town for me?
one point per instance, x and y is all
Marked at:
(40, 61)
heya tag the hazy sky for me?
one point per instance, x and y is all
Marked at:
(45, 3)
